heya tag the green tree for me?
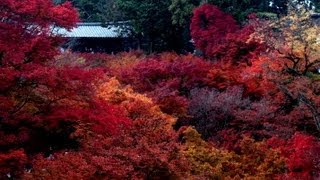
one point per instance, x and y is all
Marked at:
(96, 10)
(151, 21)
(111, 11)
(241, 8)
(181, 11)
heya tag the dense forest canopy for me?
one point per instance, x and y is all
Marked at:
(247, 108)
(164, 25)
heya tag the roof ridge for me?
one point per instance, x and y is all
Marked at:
(101, 23)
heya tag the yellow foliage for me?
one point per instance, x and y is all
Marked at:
(204, 159)
(255, 160)
(295, 37)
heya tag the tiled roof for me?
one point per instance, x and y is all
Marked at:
(94, 30)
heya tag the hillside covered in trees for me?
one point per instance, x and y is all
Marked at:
(247, 108)
(164, 25)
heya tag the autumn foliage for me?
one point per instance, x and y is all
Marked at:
(44, 108)
(219, 36)
(247, 109)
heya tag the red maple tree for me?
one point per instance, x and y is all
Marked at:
(43, 105)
